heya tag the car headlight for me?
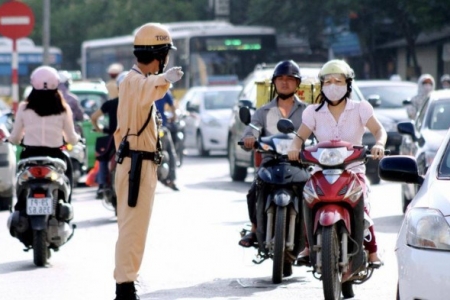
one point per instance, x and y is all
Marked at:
(211, 122)
(427, 229)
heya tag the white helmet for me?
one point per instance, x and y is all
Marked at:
(115, 68)
(121, 77)
(64, 76)
(44, 78)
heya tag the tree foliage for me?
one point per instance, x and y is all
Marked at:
(74, 21)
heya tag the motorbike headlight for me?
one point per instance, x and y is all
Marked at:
(282, 145)
(427, 229)
(332, 156)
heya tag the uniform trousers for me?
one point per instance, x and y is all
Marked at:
(133, 222)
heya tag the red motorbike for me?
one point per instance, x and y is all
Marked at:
(333, 207)
(333, 211)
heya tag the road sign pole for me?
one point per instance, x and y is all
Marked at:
(15, 75)
(16, 21)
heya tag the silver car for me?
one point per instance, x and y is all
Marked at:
(423, 243)
(7, 160)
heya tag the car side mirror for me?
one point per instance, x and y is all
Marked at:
(399, 168)
(190, 108)
(407, 127)
(246, 103)
(374, 100)
(407, 102)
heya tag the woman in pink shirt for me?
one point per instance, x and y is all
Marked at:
(339, 117)
(44, 121)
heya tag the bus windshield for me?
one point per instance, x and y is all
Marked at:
(228, 59)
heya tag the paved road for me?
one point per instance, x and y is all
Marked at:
(192, 250)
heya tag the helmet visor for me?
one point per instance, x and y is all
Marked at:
(333, 78)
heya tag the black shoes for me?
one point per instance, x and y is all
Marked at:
(126, 291)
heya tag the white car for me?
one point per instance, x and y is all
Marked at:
(7, 160)
(423, 243)
(207, 111)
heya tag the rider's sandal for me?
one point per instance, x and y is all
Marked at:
(375, 264)
(248, 240)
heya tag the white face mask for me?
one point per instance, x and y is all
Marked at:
(427, 87)
(334, 92)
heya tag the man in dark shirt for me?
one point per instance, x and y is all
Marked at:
(108, 108)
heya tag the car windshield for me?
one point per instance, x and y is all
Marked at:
(444, 167)
(220, 99)
(390, 96)
(439, 115)
(90, 102)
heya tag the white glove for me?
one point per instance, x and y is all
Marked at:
(173, 74)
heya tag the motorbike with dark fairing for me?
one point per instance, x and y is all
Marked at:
(42, 215)
(279, 203)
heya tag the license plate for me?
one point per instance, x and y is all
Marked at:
(39, 206)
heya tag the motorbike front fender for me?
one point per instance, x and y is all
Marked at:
(38, 222)
(331, 214)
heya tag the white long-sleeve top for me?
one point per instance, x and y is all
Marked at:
(47, 131)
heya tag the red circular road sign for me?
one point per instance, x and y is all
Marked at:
(16, 20)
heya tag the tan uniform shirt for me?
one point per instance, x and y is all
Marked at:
(137, 94)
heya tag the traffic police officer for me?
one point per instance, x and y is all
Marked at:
(136, 141)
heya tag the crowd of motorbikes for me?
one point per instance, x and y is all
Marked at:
(294, 205)
(324, 207)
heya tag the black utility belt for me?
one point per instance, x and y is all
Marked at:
(153, 156)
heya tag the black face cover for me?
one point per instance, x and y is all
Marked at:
(285, 96)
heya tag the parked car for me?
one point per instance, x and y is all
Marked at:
(7, 160)
(387, 97)
(423, 242)
(206, 111)
(240, 160)
(423, 137)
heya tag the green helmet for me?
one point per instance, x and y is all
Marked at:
(336, 66)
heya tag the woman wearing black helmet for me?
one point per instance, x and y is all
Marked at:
(286, 79)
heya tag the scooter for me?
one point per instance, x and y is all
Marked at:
(279, 212)
(334, 215)
(164, 168)
(109, 199)
(78, 157)
(42, 222)
(176, 129)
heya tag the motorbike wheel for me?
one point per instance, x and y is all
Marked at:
(280, 243)
(180, 153)
(331, 274)
(40, 249)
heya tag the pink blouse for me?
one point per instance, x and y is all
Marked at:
(43, 131)
(350, 127)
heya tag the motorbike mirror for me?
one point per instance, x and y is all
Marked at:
(285, 126)
(244, 115)
(247, 103)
